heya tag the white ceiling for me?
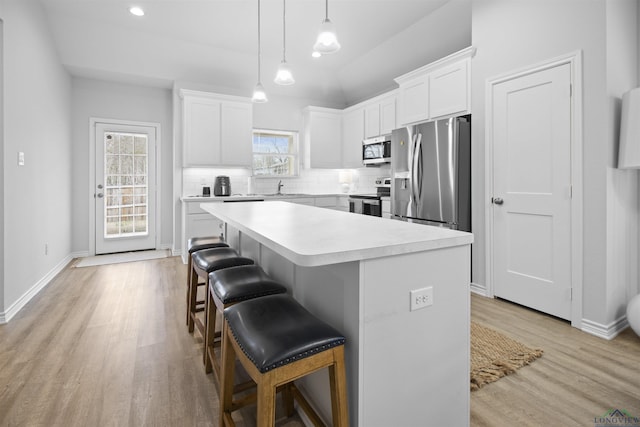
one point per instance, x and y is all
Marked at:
(214, 42)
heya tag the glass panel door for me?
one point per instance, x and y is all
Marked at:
(125, 159)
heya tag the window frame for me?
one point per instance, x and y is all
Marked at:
(295, 152)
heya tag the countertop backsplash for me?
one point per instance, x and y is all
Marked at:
(312, 181)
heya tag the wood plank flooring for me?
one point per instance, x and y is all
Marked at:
(108, 346)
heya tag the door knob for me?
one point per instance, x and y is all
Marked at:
(497, 201)
(100, 187)
(100, 195)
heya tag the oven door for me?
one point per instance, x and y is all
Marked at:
(372, 207)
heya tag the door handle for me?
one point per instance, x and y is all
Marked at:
(497, 201)
(100, 195)
(100, 187)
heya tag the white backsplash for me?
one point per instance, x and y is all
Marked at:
(313, 181)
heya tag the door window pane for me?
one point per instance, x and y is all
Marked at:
(126, 192)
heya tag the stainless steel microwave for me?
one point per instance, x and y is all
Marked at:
(376, 150)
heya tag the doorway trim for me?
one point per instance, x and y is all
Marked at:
(93, 121)
(574, 59)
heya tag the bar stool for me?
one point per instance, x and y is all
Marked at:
(278, 341)
(195, 244)
(227, 287)
(204, 262)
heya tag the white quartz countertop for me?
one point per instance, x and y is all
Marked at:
(311, 236)
(249, 197)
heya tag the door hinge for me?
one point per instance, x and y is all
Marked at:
(570, 89)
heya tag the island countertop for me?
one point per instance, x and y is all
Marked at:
(310, 236)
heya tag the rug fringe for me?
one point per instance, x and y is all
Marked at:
(501, 368)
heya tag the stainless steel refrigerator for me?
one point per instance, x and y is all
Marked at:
(431, 170)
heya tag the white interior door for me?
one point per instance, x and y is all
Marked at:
(532, 190)
(125, 188)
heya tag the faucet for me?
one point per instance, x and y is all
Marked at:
(280, 185)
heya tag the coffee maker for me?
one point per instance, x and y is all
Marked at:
(222, 186)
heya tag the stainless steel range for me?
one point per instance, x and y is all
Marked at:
(371, 204)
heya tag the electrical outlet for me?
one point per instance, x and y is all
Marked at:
(421, 298)
(20, 158)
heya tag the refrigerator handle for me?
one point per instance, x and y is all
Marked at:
(415, 183)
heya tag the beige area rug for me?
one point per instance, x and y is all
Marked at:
(494, 355)
(91, 261)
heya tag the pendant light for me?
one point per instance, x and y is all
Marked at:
(327, 41)
(284, 76)
(258, 93)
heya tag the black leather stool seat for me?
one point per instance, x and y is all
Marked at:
(217, 258)
(276, 330)
(195, 244)
(235, 284)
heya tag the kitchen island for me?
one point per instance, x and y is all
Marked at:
(356, 272)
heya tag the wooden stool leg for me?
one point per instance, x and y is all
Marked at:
(210, 335)
(193, 297)
(338, 384)
(287, 400)
(266, 404)
(209, 324)
(227, 375)
(189, 268)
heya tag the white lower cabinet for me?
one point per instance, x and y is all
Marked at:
(386, 208)
(198, 223)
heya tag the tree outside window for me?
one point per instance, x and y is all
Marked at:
(275, 153)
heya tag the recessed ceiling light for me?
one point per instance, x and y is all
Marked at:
(137, 11)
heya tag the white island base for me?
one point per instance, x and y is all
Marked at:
(404, 368)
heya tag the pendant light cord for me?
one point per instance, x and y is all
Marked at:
(326, 8)
(259, 41)
(284, 30)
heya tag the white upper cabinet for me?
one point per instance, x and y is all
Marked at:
(352, 136)
(216, 129)
(380, 115)
(388, 115)
(413, 97)
(323, 137)
(372, 120)
(449, 89)
(439, 89)
(237, 133)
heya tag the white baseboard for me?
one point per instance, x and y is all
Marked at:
(479, 289)
(607, 332)
(8, 314)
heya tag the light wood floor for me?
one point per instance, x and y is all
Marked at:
(108, 346)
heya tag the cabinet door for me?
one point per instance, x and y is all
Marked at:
(201, 132)
(448, 90)
(413, 98)
(352, 136)
(372, 121)
(236, 134)
(387, 116)
(204, 224)
(324, 139)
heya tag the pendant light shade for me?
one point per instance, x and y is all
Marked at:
(284, 75)
(327, 41)
(259, 95)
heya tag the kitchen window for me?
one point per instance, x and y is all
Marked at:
(275, 153)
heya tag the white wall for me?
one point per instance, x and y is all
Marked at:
(512, 34)
(622, 185)
(101, 99)
(2, 160)
(37, 196)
